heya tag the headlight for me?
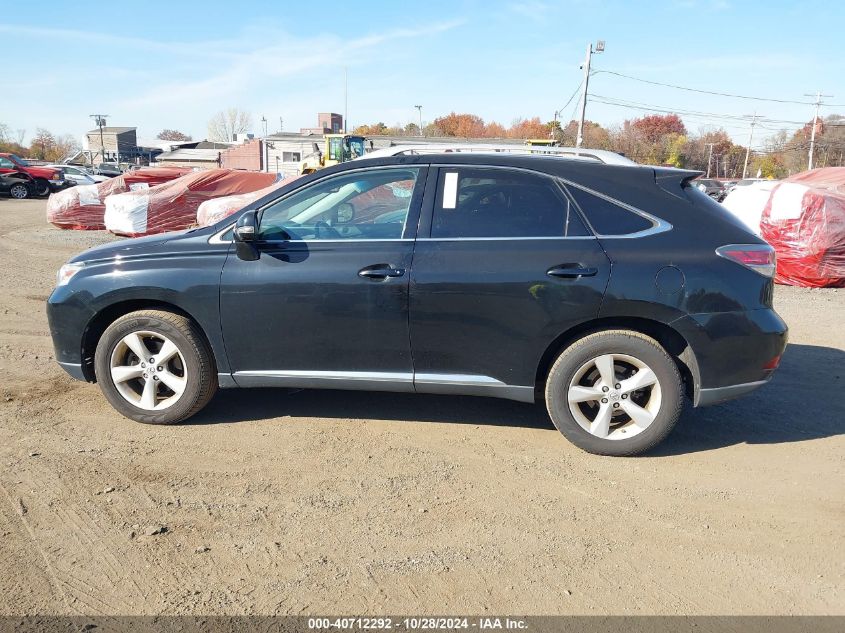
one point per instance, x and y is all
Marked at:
(67, 271)
(701, 187)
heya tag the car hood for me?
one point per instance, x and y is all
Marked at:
(43, 172)
(135, 246)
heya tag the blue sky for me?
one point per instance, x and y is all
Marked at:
(161, 65)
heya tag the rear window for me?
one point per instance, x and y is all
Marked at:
(608, 218)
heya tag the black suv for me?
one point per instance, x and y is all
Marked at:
(609, 291)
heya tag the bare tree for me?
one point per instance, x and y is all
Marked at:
(225, 124)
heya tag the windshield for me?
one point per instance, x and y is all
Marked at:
(17, 159)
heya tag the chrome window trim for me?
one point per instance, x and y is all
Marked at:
(658, 225)
(501, 239)
(217, 238)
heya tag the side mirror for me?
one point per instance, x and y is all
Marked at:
(245, 235)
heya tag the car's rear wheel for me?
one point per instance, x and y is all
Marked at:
(155, 367)
(19, 192)
(615, 392)
(42, 187)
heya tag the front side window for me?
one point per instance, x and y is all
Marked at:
(483, 202)
(362, 205)
(5, 163)
(606, 217)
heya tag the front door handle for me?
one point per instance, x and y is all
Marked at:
(572, 271)
(381, 271)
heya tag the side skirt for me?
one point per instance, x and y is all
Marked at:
(402, 382)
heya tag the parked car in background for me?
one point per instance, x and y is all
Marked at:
(79, 175)
(108, 169)
(45, 180)
(606, 289)
(17, 185)
(712, 188)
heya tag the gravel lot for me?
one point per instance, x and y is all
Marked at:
(281, 502)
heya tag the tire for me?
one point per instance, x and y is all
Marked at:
(594, 415)
(19, 192)
(42, 187)
(181, 384)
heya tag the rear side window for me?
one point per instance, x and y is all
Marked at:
(479, 202)
(607, 217)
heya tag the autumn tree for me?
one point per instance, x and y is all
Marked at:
(46, 146)
(10, 141)
(225, 124)
(529, 128)
(173, 135)
(461, 125)
(653, 127)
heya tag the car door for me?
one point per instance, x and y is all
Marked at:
(326, 303)
(503, 266)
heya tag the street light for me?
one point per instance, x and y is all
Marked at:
(419, 108)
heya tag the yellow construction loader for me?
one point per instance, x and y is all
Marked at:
(339, 148)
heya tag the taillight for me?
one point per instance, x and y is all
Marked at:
(758, 257)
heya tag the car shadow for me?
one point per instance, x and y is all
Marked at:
(801, 403)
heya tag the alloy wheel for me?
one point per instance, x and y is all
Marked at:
(19, 191)
(148, 370)
(614, 396)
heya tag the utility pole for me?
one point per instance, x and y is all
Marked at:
(281, 124)
(818, 97)
(419, 109)
(750, 137)
(345, 97)
(709, 160)
(599, 48)
(100, 120)
(264, 123)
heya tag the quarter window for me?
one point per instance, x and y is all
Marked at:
(608, 218)
(478, 202)
(362, 205)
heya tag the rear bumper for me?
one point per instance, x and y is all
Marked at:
(736, 352)
(717, 395)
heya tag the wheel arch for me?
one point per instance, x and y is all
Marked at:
(108, 315)
(669, 338)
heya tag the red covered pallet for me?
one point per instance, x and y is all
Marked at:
(82, 207)
(173, 205)
(804, 220)
(212, 211)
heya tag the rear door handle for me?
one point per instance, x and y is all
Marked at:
(381, 271)
(571, 271)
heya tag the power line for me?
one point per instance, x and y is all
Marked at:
(713, 92)
(666, 109)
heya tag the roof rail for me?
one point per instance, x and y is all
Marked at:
(578, 153)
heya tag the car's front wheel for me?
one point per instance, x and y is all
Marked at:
(19, 191)
(155, 367)
(615, 392)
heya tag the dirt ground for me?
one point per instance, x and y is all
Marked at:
(310, 502)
